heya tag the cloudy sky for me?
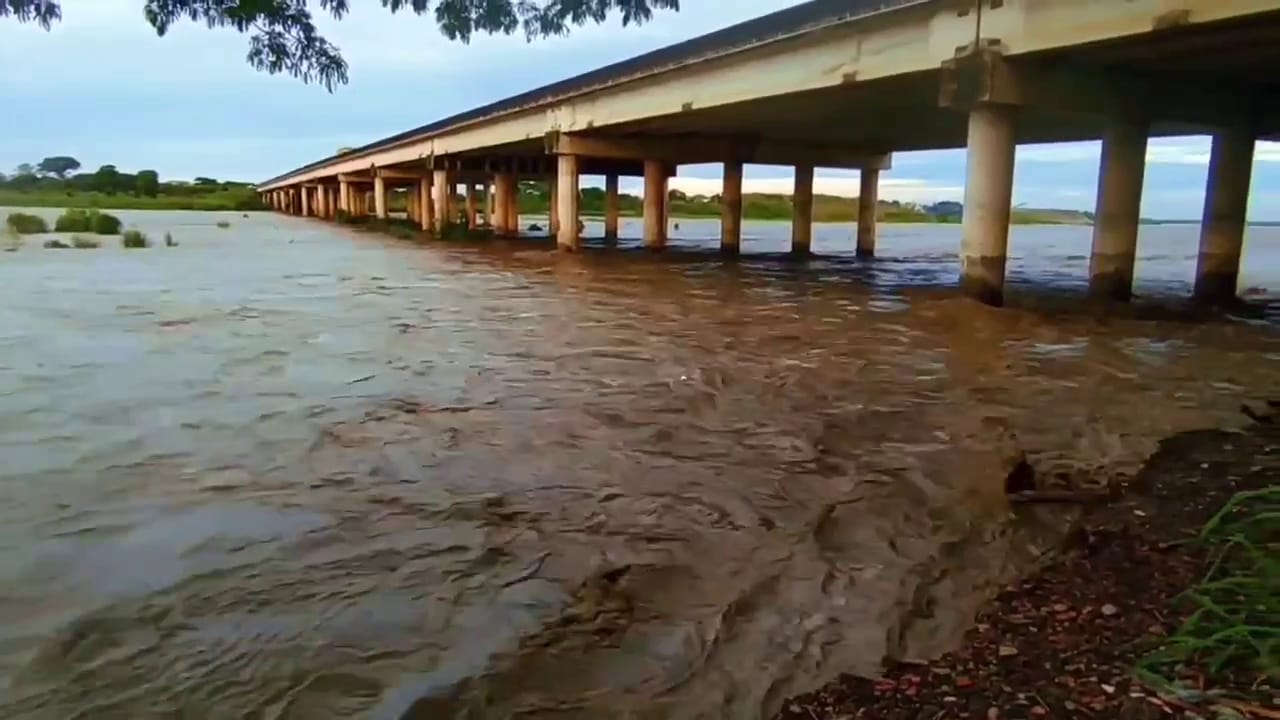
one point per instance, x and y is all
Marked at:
(103, 88)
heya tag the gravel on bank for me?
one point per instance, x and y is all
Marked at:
(1063, 644)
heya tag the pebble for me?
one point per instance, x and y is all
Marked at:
(1007, 651)
(1109, 609)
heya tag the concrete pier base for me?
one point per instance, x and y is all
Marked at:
(611, 207)
(655, 205)
(731, 208)
(444, 200)
(380, 197)
(1118, 210)
(1226, 204)
(553, 207)
(802, 211)
(567, 235)
(868, 203)
(988, 196)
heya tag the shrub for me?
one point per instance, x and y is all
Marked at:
(134, 239)
(169, 241)
(83, 243)
(26, 224)
(93, 221)
(56, 245)
(223, 224)
(105, 224)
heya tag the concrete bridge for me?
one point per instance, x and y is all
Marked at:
(844, 83)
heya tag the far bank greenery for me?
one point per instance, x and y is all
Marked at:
(535, 199)
(55, 182)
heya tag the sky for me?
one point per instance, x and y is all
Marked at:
(102, 87)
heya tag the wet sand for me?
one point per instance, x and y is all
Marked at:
(289, 470)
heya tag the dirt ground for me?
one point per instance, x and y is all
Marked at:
(1062, 644)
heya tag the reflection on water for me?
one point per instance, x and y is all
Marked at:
(286, 471)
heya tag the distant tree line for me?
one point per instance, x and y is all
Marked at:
(55, 181)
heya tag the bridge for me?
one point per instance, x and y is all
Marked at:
(844, 84)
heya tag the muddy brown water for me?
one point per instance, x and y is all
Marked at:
(285, 470)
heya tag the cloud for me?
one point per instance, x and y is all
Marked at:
(1160, 151)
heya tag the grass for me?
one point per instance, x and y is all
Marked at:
(26, 224)
(134, 239)
(1234, 632)
(81, 242)
(94, 221)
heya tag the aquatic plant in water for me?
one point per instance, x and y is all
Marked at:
(26, 224)
(83, 243)
(223, 224)
(94, 221)
(169, 241)
(134, 239)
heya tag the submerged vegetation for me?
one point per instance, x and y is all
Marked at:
(81, 242)
(26, 224)
(1234, 631)
(94, 221)
(134, 239)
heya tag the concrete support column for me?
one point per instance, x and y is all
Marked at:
(611, 207)
(423, 190)
(380, 197)
(1226, 204)
(513, 207)
(490, 191)
(411, 202)
(988, 196)
(731, 208)
(802, 211)
(655, 204)
(567, 236)
(553, 208)
(306, 201)
(444, 200)
(868, 202)
(344, 196)
(1115, 227)
(500, 205)
(473, 220)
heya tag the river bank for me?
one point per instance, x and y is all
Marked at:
(1064, 643)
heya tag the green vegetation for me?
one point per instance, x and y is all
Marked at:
(1234, 632)
(81, 242)
(56, 244)
(26, 224)
(223, 224)
(93, 221)
(134, 239)
(49, 184)
(285, 38)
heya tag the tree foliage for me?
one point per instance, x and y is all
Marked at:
(283, 37)
(148, 183)
(58, 165)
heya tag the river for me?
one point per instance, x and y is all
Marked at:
(288, 470)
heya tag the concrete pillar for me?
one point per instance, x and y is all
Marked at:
(1115, 227)
(731, 208)
(344, 196)
(553, 208)
(1226, 204)
(473, 219)
(611, 207)
(567, 236)
(500, 205)
(655, 204)
(802, 211)
(988, 196)
(444, 197)
(306, 201)
(380, 197)
(490, 190)
(868, 202)
(513, 208)
(423, 189)
(322, 199)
